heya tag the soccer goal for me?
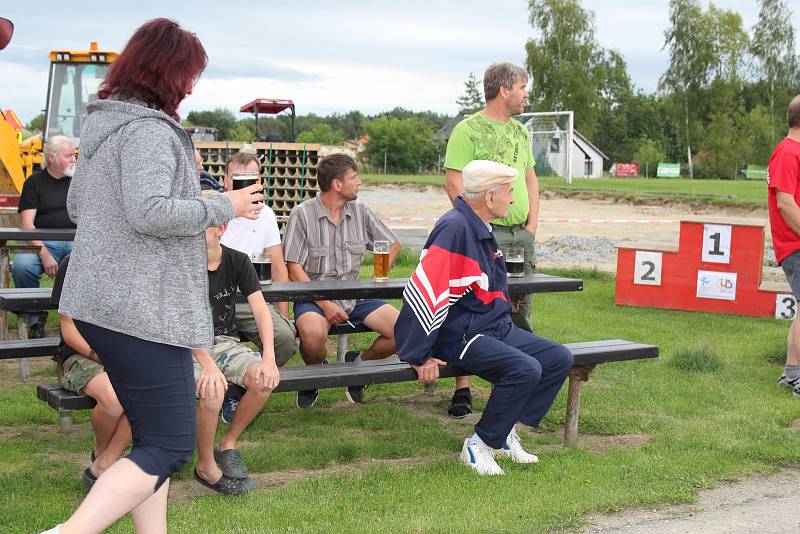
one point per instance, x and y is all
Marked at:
(552, 141)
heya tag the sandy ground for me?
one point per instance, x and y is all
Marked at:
(762, 504)
(429, 202)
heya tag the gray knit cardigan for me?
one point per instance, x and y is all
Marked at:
(139, 264)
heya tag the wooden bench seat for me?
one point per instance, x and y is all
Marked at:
(587, 355)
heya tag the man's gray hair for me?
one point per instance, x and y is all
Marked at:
(53, 145)
(474, 196)
(501, 75)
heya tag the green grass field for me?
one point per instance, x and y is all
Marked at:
(651, 432)
(725, 192)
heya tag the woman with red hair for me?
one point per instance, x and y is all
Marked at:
(137, 286)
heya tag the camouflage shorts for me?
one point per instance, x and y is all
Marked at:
(77, 370)
(232, 358)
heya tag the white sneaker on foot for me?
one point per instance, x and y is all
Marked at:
(55, 530)
(513, 449)
(480, 457)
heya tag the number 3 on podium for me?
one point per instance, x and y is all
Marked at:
(785, 307)
(648, 268)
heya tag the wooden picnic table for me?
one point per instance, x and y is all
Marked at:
(26, 300)
(23, 301)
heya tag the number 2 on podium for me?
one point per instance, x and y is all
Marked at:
(647, 271)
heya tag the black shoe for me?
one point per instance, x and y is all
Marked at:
(230, 461)
(227, 485)
(88, 479)
(229, 406)
(36, 330)
(307, 397)
(461, 405)
(354, 394)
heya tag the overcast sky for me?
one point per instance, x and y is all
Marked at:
(326, 55)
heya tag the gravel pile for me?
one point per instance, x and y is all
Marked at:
(568, 249)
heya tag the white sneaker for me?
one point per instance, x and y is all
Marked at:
(480, 457)
(55, 530)
(513, 449)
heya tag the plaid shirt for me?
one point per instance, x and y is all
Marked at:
(330, 252)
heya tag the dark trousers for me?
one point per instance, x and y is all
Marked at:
(155, 385)
(526, 370)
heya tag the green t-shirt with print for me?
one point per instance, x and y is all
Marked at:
(477, 137)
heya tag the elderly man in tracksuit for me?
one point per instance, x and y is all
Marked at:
(456, 310)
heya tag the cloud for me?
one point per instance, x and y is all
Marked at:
(28, 92)
(340, 87)
(258, 70)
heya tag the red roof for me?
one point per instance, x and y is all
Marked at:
(266, 105)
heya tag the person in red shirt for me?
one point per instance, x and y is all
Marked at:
(783, 181)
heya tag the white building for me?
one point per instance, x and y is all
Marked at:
(587, 159)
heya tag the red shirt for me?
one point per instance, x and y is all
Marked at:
(783, 175)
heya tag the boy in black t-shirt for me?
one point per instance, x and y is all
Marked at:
(230, 361)
(81, 371)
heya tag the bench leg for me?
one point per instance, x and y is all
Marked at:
(579, 373)
(22, 328)
(341, 347)
(65, 421)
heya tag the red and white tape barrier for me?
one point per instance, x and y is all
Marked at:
(546, 221)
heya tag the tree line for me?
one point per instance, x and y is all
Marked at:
(401, 141)
(720, 104)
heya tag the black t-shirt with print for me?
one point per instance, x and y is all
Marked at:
(48, 196)
(234, 271)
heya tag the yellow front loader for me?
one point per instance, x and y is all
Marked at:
(75, 77)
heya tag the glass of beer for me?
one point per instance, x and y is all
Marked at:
(263, 265)
(515, 260)
(243, 179)
(380, 251)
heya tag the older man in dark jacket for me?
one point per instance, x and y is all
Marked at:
(456, 310)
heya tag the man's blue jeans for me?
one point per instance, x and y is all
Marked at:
(27, 269)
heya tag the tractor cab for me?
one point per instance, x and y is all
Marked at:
(75, 77)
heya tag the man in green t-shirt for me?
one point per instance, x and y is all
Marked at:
(492, 134)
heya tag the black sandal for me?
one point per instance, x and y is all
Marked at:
(461, 405)
(227, 485)
(88, 479)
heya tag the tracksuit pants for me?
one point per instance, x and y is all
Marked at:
(526, 370)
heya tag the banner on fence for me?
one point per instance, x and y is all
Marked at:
(626, 169)
(668, 170)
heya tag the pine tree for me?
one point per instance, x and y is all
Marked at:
(472, 99)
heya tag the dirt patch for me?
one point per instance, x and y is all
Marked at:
(795, 425)
(183, 490)
(602, 444)
(42, 370)
(763, 504)
(79, 430)
(8, 432)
